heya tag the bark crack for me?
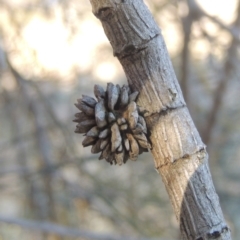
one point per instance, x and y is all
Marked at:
(200, 154)
(130, 49)
(163, 112)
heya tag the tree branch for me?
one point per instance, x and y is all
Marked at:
(179, 154)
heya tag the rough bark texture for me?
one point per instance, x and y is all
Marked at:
(179, 153)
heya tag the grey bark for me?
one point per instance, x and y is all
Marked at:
(179, 154)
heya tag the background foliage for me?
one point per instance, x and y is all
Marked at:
(52, 52)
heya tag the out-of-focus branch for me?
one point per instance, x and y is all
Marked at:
(185, 59)
(234, 31)
(15, 169)
(49, 168)
(42, 139)
(22, 168)
(229, 67)
(14, 141)
(187, 23)
(48, 227)
(194, 14)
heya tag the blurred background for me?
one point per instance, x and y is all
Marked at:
(52, 52)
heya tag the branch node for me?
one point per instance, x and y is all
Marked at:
(105, 13)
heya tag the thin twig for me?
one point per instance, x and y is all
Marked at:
(48, 227)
